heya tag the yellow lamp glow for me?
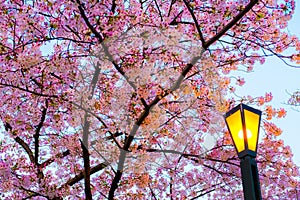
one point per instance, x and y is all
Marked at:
(241, 134)
(243, 124)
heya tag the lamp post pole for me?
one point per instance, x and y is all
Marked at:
(243, 124)
(250, 179)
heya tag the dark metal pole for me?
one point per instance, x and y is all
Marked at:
(250, 178)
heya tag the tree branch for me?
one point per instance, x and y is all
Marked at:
(86, 158)
(26, 148)
(51, 160)
(101, 40)
(29, 91)
(152, 192)
(196, 23)
(37, 135)
(230, 24)
(80, 176)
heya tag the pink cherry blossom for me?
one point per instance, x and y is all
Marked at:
(116, 100)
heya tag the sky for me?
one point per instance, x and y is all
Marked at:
(276, 77)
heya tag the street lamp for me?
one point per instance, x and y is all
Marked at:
(243, 123)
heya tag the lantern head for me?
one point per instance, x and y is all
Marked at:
(243, 123)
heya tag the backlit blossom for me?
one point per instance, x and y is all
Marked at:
(281, 113)
(270, 112)
(260, 101)
(271, 128)
(268, 97)
(295, 98)
(240, 81)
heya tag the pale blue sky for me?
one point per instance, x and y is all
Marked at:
(276, 77)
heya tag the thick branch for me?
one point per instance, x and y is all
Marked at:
(37, 135)
(114, 135)
(230, 24)
(114, 184)
(101, 40)
(196, 23)
(33, 193)
(174, 22)
(94, 80)
(26, 148)
(90, 112)
(29, 91)
(113, 6)
(152, 192)
(80, 176)
(160, 14)
(86, 159)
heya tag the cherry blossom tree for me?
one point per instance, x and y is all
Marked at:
(115, 99)
(294, 99)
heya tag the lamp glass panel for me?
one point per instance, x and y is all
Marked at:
(252, 126)
(234, 122)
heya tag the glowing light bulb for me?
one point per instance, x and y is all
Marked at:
(241, 134)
